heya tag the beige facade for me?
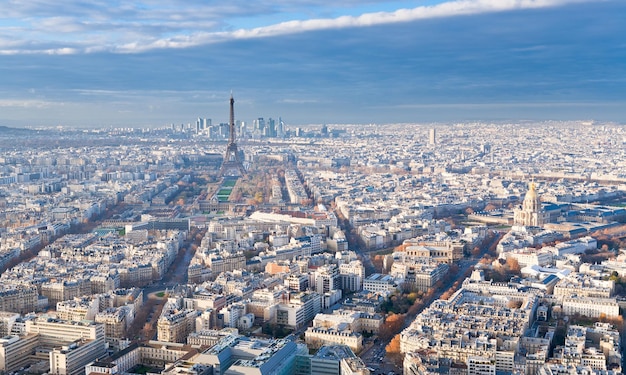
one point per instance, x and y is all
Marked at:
(591, 307)
(115, 321)
(221, 264)
(65, 290)
(71, 359)
(78, 309)
(177, 326)
(16, 350)
(74, 344)
(317, 336)
(438, 251)
(21, 299)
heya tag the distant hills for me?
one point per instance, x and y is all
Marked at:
(5, 130)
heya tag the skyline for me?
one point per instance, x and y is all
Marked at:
(364, 62)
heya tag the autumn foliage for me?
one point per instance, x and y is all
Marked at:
(394, 345)
(490, 207)
(392, 325)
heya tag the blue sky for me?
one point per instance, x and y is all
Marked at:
(129, 63)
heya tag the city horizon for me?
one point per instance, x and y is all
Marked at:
(188, 126)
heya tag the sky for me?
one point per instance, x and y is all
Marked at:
(129, 63)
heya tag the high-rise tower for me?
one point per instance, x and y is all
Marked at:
(232, 164)
(432, 136)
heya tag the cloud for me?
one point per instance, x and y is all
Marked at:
(432, 68)
(489, 106)
(48, 51)
(448, 9)
(28, 103)
(48, 27)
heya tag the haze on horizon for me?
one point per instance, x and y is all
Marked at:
(153, 63)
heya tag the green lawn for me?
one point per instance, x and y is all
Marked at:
(229, 183)
(224, 193)
(226, 189)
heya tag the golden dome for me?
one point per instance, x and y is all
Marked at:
(532, 191)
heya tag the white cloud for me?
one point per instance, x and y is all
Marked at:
(27, 103)
(137, 28)
(46, 51)
(448, 9)
(486, 106)
(62, 25)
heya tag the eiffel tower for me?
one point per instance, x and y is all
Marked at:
(232, 164)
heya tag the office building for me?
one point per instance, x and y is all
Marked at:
(432, 136)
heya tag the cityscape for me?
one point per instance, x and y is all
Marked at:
(260, 248)
(367, 187)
